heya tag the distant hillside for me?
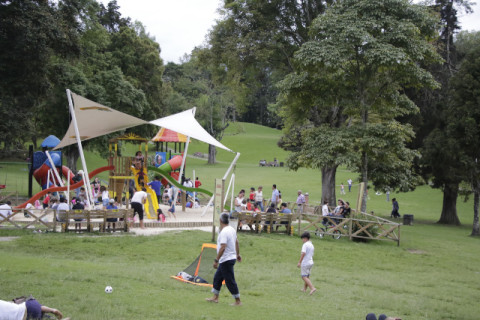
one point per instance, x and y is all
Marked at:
(253, 141)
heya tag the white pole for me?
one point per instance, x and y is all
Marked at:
(68, 190)
(48, 179)
(55, 172)
(184, 158)
(231, 166)
(84, 179)
(80, 150)
(228, 190)
(224, 178)
(208, 206)
(194, 193)
(233, 191)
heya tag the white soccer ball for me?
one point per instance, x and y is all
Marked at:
(108, 289)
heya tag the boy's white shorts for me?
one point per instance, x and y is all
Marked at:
(306, 269)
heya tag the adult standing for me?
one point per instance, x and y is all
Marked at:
(259, 198)
(349, 181)
(228, 252)
(395, 208)
(300, 201)
(275, 195)
(138, 200)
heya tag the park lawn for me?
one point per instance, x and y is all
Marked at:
(432, 275)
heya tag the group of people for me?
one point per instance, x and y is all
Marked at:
(228, 253)
(256, 201)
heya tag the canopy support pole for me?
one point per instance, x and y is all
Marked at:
(184, 158)
(80, 150)
(224, 178)
(55, 173)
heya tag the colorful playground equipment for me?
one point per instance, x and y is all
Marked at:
(127, 169)
(64, 188)
(46, 166)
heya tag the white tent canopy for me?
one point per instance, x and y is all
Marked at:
(184, 122)
(95, 120)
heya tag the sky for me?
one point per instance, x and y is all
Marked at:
(181, 25)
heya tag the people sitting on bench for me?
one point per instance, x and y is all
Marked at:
(284, 209)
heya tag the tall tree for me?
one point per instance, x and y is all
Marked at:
(437, 166)
(196, 81)
(256, 41)
(374, 47)
(464, 116)
(31, 33)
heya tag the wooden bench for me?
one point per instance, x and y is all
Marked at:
(265, 221)
(90, 217)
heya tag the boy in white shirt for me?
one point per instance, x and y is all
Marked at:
(306, 262)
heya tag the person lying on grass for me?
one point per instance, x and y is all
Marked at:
(26, 308)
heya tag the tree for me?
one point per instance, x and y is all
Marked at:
(195, 82)
(371, 50)
(256, 41)
(437, 166)
(31, 34)
(464, 116)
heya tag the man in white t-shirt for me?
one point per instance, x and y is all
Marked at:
(10, 310)
(228, 253)
(138, 200)
(275, 196)
(306, 262)
(61, 208)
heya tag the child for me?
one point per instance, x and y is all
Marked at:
(78, 222)
(252, 194)
(160, 215)
(105, 196)
(306, 262)
(111, 206)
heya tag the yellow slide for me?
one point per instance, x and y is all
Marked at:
(151, 205)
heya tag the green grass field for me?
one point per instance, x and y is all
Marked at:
(434, 273)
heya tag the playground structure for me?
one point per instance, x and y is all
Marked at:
(46, 166)
(126, 169)
(91, 119)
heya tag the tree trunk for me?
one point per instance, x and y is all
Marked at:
(363, 208)
(328, 184)
(476, 196)
(72, 155)
(449, 209)
(212, 154)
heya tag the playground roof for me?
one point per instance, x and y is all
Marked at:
(94, 120)
(167, 135)
(185, 122)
